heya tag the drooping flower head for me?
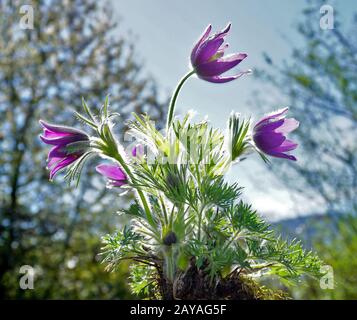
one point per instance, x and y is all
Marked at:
(269, 134)
(208, 60)
(114, 173)
(68, 143)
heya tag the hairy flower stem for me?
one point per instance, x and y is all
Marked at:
(200, 223)
(174, 98)
(140, 193)
(169, 264)
(108, 138)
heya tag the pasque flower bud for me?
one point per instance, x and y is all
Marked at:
(170, 239)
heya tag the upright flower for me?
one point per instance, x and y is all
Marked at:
(208, 60)
(269, 134)
(114, 173)
(68, 143)
(209, 63)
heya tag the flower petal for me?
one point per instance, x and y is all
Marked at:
(224, 32)
(223, 48)
(63, 140)
(269, 126)
(219, 66)
(266, 141)
(57, 152)
(208, 49)
(53, 161)
(288, 125)
(269, 134)
(287, 145)
(50, 134)
(112, 172)
(282, 155)
(62, 164)
(220, 52)
(203, 37)
(275, 114)
(221, 79)
(61, 129)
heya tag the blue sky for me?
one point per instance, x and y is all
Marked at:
(164, 33)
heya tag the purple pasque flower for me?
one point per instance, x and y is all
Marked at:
(138, 151)
(208, 60)
(269, 134)
(114, 173)
(68, 143)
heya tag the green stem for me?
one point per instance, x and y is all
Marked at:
(174, 98)
(164, 210)
(169, 256)
(231, 240)
(116, 155)
(200, 223)
(140, 193)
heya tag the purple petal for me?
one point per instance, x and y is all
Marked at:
(203, 37)
(55, 155)
(217, 67)
(113, 172)
(63, 140)
(268, 126)
(50, 134)
(57, 151)
(53, 161)
(276, 114)
(223, 48)
(268, 141)
(288, 125)
(61, 129)
(224, 32)
(62, 164)
(282, 155)
(220, 52)
(287, 145)
(208, 49)
(221, 79)
(269, 134)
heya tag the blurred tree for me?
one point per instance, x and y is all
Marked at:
(73, 50)
(320, 85)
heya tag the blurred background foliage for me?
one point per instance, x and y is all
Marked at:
(320, 84)
(76, 50)
(338, 249)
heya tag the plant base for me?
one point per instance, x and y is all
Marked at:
(195, 284)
